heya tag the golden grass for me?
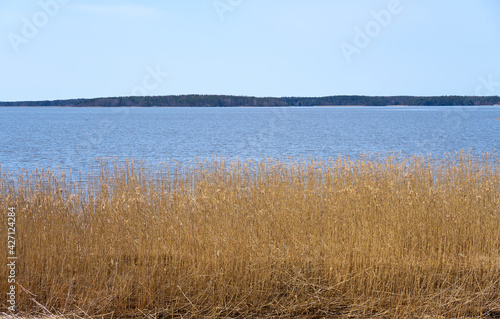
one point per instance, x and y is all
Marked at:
(386, 237)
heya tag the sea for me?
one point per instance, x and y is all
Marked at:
(67, 138)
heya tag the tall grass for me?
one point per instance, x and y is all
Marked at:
(392, 236)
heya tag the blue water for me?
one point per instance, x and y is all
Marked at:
(72, 138)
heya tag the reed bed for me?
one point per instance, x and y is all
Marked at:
(391, 236)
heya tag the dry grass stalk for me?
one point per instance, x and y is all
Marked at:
(395, 236)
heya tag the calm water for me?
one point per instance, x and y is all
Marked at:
(74, 137)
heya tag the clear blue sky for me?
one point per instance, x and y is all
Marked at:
(79, 49)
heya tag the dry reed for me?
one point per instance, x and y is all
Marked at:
(391, 237)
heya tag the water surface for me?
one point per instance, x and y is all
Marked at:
(71, 138)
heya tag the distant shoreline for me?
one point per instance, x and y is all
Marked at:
(235, 106)
(249, 101)
(360, 105)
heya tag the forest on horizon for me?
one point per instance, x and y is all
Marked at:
(229, 100)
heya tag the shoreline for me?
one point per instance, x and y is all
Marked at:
(237, 106)
(192, 100)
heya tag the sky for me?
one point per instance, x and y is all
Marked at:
(61, 49)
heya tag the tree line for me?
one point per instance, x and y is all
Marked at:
(229, 101)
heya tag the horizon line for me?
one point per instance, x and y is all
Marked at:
(247, 96)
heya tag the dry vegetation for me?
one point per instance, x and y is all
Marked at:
(388, 237)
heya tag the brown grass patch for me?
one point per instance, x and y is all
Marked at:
(386, 237)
